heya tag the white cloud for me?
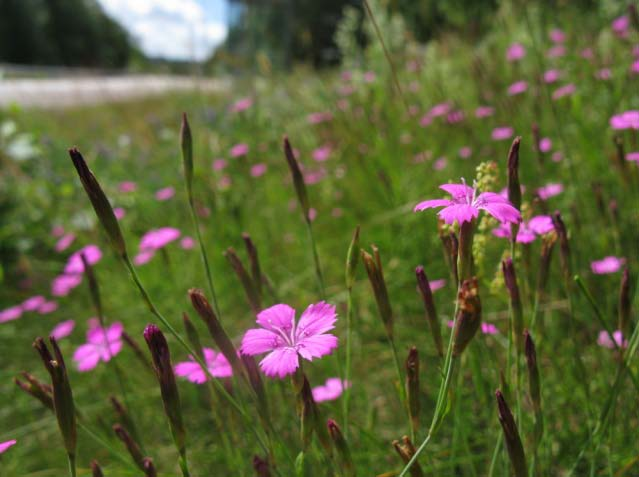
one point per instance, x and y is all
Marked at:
(175, 29)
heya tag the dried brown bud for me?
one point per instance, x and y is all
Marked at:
(468, 319)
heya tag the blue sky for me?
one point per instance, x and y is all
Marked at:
(175, 29)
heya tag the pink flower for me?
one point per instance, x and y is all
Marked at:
(502, 133)
(426, 120)
(62, 329)
(634, 68)
(187, 243)
(127, 186)
(545, 144)
(625, 120)
(550, 190)
(551, 76)
(47, 307)
(217, 364)
(587, 53)
(437, 284)
(565, 90)
(157, 238)
(606, 265)
(57, 231)
(455, 117)
(313, 177)
(258, 170)
(524, 234)
(63, 284)
(489, 329)
(633, 156)
(239, 150)
(466, 204)
(322, 154)
(225, 182)
(515, 52)
(317, 118)
(33, 303)
(5, 445)
(517, 88)
(330, 390)
(240, 105)
(312, 214)
(64, 242)
(143, 257)
(369, 76)
(556, 51)
(541, 224)
(285, 340)
(440, 109)
(219, 164)
(119, 213)
(557, 36)
(102, 344)
(165, 194)
(465, 152)
(440, 163)
(557, 156)
(604, 74)
(605, 341)
(484, 111)
(10, 314)
(74, 265)
(620, 25)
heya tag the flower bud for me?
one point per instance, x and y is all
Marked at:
(124, 417)
(186, 144)
(223, 342)
(247, 282)
(429, 305)
(547, 245)
(536, 140)
(533, 372)
(131, 446)
(412, 386)
(564, 247)
(514, 187)
(93, 286)
(261, 467)
(468, 317)
(352, 257)
(406, 451)
(42, 392)
(376, 277)
(256, 272)
(149, 468)
(96, 471)
(192, 336)
(510, 279)
(298, 179)
(624, 303)
(511, 437)
(100, 203)
(161, 356)
(341, 446)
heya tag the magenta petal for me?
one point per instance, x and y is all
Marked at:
(280, 363)
(277, 317)
(87, 357)
(541, 224)
(191, 371)
(219, 366)
(316, 319)
(428, 204)
(503, 212)
(5, 445)
(460, 212)
(258, 341)
(63, 329)
(316, 346)
(114, 347)
(457, 190)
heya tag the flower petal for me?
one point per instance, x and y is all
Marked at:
(316, 346)
(428, 204)
(459, 212)
(191, 371)
(280, 363)
(277, 317)
(457, 190)
(87, 357)
(504, 212)
(316, 319)
(259, 340)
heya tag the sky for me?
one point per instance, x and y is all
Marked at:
(172, 29)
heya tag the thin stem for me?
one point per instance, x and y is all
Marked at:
(347, 377)
(402, 390)
(203, 255)
(72, 472)
(318, 268)
(183, 465)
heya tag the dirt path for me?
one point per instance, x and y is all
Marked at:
(73, 91)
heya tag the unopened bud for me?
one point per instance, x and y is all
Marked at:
(547, 245)
(341, 446)
(131, 446)
(511, 437)
(624, 303)
(468, 319)
(406, 451)
(533, 372)
(564, 247)
(510, 279)
(149, 468)
(412, 386)
(42, 392)
(352, 258)
(373, 266)
(186, 144)
(429, 305)
(514, 186)
(96, 471)
(247, 282)
(298, 179)
(256, 272)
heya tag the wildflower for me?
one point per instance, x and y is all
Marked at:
(33, 303)
(517, 88)
(466, 204)
(127, 186)
(330, 390)
(369, 76)
(64, 242)
(620, 25)
(63, 284)
(556, 51)
(119, 213)
(565, 90)
(465, 152)
(5, 445)
(62, 330)
(524, 234)
(258, 170)
(102, 344)
(619, 341)
(187, 243)
(502, 133)
(551, 76)
(633, 156)
(468, 318)
(285, 340)
(57, 231)
(515, 52)
(484, 111)
(321, 154)
(10, 314)
(606, 265)
(240, 105)
(219, 164)
(165, 193)
(438, 110)
(74, 265)
(625, 120)
(320, 117)
(545, 144)
(541, 224)
(217, 365)
(239, 150)
(440, 163)
(154, 240)
(550, 190)
(603, 74)
(557, 36)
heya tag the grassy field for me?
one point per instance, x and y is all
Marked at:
(369, 154)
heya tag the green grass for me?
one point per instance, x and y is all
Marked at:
(373, 179)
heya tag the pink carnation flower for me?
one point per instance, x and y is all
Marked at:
(10, 314)
(258, 170)
(515, 52)
(143, 257)
(625, 120)
(33, 303)
(119, 213)
(550, 190)
(158, 238)
(127, 186)
(74, 265)
(369, 76)
(217, 364)
(565, 90)
(517, 88)
(634, 68)
(440, 109)
(286, 340)
(524, 234)
(440, 163)
(545, 144)
(606, 265)
(465, 205)
(551, 76)
(5, 445)
(165, 194)
(102, 344)
(219, 164)
(557, 36)
(633, 156)
(62, 329)
(63, 284)
(605, 341)
(47, 307)
(330, 390)
(620, 25)
(239, 150)
(556, 51)
(240, 105)
(64, 242)
(187, 243)
(484, 111)
(465, 152)
(321, 154)
(541, 224)
(502, 133)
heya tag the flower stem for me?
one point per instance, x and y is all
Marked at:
(183, 465)
(318, 268)
(203, 255)
(72, 472)
(347, 376)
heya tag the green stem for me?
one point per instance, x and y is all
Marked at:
(402, 389)
(318, 268)
(183, 464)
(72, 471)
(347, 377)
